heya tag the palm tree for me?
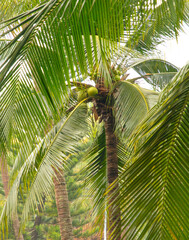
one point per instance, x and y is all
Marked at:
(62, 204)
(5, 181)
(61, 43)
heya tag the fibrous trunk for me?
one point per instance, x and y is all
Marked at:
(114, 220)
(5, 180)
(62, 203)
(104, 106)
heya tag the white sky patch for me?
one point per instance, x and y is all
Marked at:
(176, 51)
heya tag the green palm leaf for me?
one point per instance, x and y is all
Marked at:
(22, 107)
(72, 22)
(57, 41)
(51, 153)
(95, 171)
(155, 188)
(16, 7)
(165, 25)
(130, 108)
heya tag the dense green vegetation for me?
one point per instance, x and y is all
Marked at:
(44, 223)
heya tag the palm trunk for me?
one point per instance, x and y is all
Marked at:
(38, 220)
(62, 203)
(34, 232)
(5, 180)
(114, 219)
(104, 111)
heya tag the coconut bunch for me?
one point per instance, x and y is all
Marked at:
(87, 92)
(115, 74)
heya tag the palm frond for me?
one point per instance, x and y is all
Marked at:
(130, 108)
(23, 109)
(151, 96)
(16, 7)
(95, 171)
(161, 25)
(56, 42)
(68, 26)
(155, 187)
(35, 175)
(157, 72)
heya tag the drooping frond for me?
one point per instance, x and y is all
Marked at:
(16, 8)
(162, 24)
(95, 171)
(150, 96)
(155, 187)
(56, 42)
(68, 26)
(31, 98)
(23, 110)
(130, 108)
(35, 175)
(157, 72)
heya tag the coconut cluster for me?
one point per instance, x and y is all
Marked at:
(116, 75)
(89, 92)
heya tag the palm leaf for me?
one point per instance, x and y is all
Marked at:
(16, 7)
(155, 187)
(163, 24)
(36, 173)
(22, 108)
(150, 96)
(55, 42)
(72, 22)
(130, 108)
(95, 172)
(157, 72)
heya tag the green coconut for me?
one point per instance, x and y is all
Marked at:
(118, 72)
(81, 95)
(95, 75)
(92, 91)
(117, 78)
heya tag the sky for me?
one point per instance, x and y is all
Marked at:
(176, 51)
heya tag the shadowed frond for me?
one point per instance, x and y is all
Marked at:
(155, 187)
(157, 72)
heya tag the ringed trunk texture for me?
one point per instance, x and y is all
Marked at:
(114, 220)
(62, 203)
(5, 180)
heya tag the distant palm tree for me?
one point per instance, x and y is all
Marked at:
(5, 181)
(62, 42)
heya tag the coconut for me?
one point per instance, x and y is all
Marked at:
(92, 91)
(117, 78)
